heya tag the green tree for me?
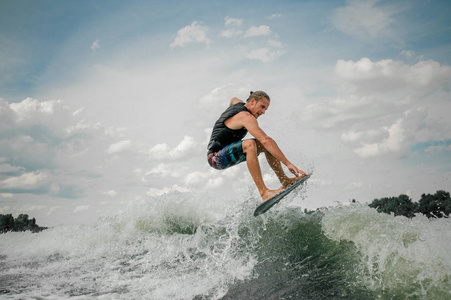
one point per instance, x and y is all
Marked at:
(432, 206)
(399, 206)
(435, 206)
(21, 223)
(6, 223)
(405, 206)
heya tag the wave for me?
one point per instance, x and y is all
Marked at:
(183, 246)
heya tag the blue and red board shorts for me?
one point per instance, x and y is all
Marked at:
(228, 156)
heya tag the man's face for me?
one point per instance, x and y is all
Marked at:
(258, 108)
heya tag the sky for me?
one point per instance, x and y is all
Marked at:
(105, 104)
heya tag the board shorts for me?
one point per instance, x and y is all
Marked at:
(228, 156)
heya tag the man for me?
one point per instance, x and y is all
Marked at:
(226, 147)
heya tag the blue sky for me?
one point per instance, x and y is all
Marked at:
(106, 103)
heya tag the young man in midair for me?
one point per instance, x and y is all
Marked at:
(227, 147)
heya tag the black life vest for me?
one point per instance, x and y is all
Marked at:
(222, 135)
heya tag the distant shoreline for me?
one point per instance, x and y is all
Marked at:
(20, 224)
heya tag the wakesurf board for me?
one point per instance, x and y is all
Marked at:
(262, 208)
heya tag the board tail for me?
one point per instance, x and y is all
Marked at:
(262, 208)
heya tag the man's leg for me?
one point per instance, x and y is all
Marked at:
(275, 164)
(251, 150)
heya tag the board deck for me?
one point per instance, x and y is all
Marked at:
(262, 208)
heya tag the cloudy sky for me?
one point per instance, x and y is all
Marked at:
(107, 103)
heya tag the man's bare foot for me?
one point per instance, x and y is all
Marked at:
(271, 193)
(288, 181)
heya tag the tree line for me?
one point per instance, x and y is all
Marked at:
(21, 223)
(432, 206)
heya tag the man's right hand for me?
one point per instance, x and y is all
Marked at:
(297, 172)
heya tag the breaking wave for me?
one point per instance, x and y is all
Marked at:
(174, 247)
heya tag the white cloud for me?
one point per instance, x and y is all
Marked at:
(407, 53)
(214, 102)
(214, 182)
(337, 111)
(351, 136)
(80, 126)
(261, 30)
(389, 75)
(186, 145)
(228, 33)
(232, 27)
(391, 144)
(7, 168)
(195, 178)
(161, 170)
(275, 44)
(46, 150)
(357, 136)
(159, 151)
(232, 22)
(191, 33)
(81, 208)
(24, 181)
(119, 147)
(79, 111)
(363, 19)
(110, 193)
(386, 107)
(264, 54)
(32, 107)
(95, 45)
(214, 98)
(162, 151)
(206, 180)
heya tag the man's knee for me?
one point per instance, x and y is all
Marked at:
(249, 146)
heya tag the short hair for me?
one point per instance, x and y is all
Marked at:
(258, 95)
